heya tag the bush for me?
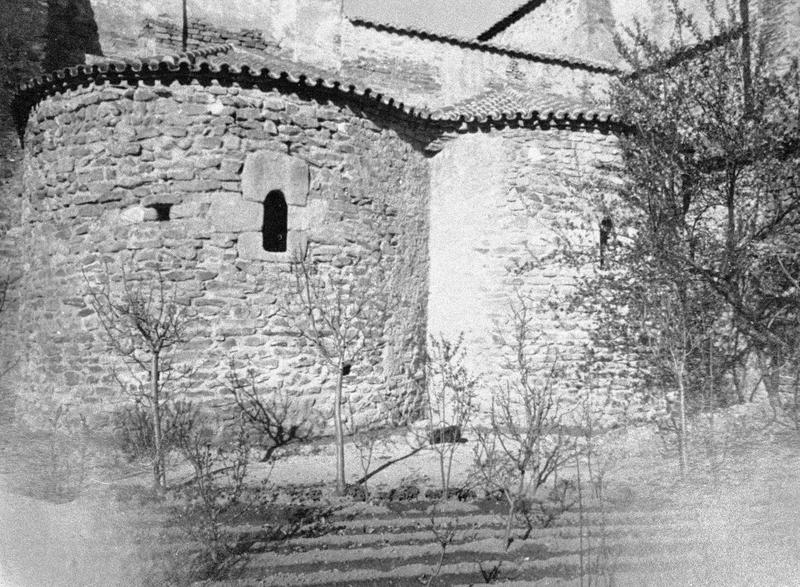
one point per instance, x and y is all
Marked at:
(133, 428)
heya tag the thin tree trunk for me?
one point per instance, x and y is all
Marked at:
(772, 379)
(747, 81)
(159, 475)
(580, 517)
(337, 423)
(683, 435)
(730, 230)
(444, 478)
(509, 520)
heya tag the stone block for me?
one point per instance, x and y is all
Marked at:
(228, 214)
(143, 94)
(269, 170)
(134, 215)
(250, 247)
(296, 243)
(308, 217)
(186, 210)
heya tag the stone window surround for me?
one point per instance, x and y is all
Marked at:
(265, 172)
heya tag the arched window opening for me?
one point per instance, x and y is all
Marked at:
(275, 225)
(606, 228)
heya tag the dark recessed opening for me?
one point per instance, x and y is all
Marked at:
(606, 227)
(162, 211)
(275, 225)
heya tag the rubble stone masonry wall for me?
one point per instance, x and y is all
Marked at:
(499, 201)
(102, 161)
(168, 34)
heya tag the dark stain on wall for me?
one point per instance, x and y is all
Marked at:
(71, 33)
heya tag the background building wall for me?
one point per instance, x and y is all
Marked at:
(413, 70)
(434, 73)
(585, 28)
(308, 29)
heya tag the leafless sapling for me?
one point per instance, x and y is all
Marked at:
(451, 405)
(212, 499)
(525, 443)
(144, 322)
(343, 315)
(444, 531)
(595, 458)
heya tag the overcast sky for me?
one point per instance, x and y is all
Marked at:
(465, 18)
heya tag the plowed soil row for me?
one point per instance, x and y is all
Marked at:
(732, 521)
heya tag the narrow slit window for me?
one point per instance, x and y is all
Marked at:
(275, 224)
(606, 228)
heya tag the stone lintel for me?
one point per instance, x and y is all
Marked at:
(266, 171)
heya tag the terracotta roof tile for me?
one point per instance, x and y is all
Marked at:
(511, 102)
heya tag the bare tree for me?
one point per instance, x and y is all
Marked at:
(144, 322)
(451, 402)
(273, 413)
(343, 317)
(213, 498)
(525, 443)
(444, 530)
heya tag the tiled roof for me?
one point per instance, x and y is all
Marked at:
(237, 58)
(194, 56)
(508, 103)
(521, 11)
(546, 58)
(227, 65)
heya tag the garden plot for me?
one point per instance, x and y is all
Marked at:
(735, 526)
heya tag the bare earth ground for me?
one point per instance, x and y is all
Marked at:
(734, 521)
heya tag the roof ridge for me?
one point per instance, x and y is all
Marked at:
(191, 56)
(505, 22)
(31, 92)
(511, 101)
(466, 43)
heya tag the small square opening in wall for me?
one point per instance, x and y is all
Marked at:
(161, 212)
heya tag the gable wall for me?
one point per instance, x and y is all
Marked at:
(419, 71)
(585, 28)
